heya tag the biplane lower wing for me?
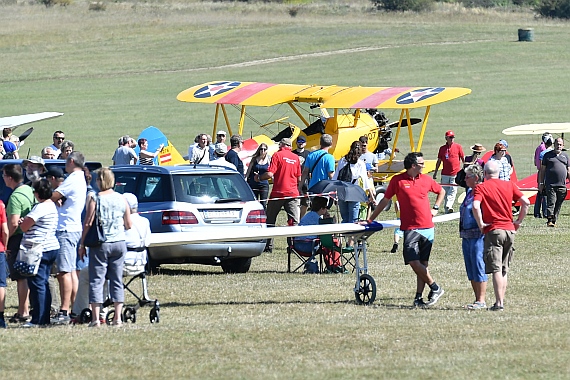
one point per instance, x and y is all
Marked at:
(247, 233)
(15, 121)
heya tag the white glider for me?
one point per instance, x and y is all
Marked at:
(15, 121)
(249, 233)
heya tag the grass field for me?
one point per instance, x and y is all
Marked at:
(119, 71)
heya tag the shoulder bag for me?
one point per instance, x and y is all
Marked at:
(95, 235)
(28, 260)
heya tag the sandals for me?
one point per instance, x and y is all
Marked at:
(17, 318)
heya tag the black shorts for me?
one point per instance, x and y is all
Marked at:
(13, 247)
(417, 244)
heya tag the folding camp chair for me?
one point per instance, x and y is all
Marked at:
(346, 253)
(305, 259)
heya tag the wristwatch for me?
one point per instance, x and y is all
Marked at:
(435, 207)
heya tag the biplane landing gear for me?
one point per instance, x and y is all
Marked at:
(366, 292)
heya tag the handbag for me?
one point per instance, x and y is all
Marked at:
(28, 260)
(95, 235)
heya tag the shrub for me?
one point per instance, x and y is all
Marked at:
(554, 8)
(403, 5)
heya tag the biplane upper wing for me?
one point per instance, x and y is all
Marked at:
(538, 129)
(269, 94)
(15, 121)
(248, 233)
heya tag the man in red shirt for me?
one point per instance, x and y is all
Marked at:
(285, 169)
(412, 188)
(451, 154)
(492, 208)
(3, 274)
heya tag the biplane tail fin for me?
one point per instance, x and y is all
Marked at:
(169, 155)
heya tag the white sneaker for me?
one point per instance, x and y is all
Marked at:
(29, 325)
(435, 295)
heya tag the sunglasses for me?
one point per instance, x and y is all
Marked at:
(262, 148)
(59, 138)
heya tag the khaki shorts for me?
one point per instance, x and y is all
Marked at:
(498, 251)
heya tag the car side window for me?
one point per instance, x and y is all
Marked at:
(125, 183)
(152, 189)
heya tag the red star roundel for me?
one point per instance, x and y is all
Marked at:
(214, 89)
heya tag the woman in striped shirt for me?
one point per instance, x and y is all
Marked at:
(146, 157)
(39, 227)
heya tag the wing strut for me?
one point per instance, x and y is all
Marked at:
(424, 126)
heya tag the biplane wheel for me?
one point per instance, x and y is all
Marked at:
(109, 317)
(130, 314)
(85, 316)
(154, 315)
(366, 293)
(380, 190)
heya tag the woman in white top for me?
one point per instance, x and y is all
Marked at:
(349, 210)
(39, 227)
(106, 261)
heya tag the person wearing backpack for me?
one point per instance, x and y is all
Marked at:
(352, 169)
(10, 149)
(319, 165)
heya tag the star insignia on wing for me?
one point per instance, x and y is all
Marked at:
(419, 95)
(214, 89)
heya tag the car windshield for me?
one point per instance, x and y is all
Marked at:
(211, 188)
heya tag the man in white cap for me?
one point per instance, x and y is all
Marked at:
(220, 151)
(138, 237)
(453, 159)
(220, 141)
(34, 167)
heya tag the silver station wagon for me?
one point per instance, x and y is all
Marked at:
(189, 198)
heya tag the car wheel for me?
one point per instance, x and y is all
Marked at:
(237, 265)
(380, 190)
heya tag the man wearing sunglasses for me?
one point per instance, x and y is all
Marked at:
(58, 139)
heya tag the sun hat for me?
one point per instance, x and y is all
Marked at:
(221, 133)
(220, 148)
(131, 200)
(504, 142)
(478, 148)
(286, 141)
(34, 160)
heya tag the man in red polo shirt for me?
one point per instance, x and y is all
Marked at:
(451, 154)
(285, 169)
(412, 188)
(492, 208)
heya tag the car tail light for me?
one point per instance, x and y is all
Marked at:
(178, 217)
(256, 216)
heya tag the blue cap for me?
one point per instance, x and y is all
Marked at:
(301, 139)
(504, 142)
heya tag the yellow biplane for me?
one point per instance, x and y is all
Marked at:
(355, 112)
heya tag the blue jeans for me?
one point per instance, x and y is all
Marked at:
(40, 296)
(473, 257)
(349, 211)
